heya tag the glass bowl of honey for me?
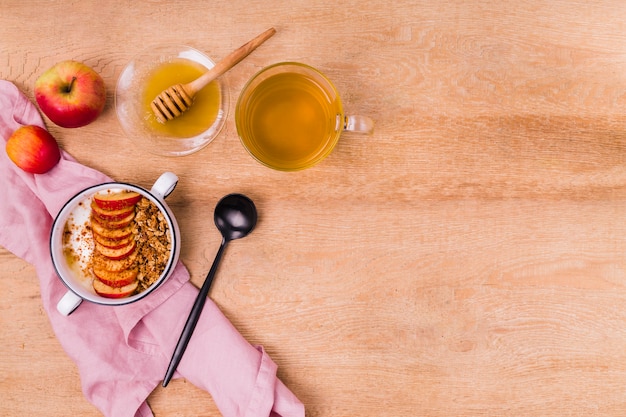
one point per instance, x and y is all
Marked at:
(146, 76)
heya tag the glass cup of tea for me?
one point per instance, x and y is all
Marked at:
(289, 117)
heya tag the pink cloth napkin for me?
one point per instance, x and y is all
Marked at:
(122, 352)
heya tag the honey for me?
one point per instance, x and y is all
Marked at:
(200, 115)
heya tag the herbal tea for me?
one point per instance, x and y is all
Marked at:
(289, 121)
(200, 115)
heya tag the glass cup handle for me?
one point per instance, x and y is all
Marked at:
(358, 124)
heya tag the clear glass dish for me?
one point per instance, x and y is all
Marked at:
(137, 119)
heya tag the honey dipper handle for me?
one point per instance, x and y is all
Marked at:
(227, 63)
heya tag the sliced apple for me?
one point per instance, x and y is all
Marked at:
(113, 243)
(114, 224)
(114, 265)
(116, 254)
(116, 279)
(119, 233)
(111, 215)
(108, 291)
(109, 200)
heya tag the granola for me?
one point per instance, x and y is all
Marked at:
(154, 243)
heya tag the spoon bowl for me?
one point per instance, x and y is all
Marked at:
(235, 217)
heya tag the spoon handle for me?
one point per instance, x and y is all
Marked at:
(194, 315)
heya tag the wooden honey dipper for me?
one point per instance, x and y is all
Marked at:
(175, 100)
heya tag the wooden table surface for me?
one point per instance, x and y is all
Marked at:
(467, 259)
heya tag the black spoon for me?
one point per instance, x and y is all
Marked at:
(235, 217)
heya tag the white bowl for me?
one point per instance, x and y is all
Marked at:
(77, 210)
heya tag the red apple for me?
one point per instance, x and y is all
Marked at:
(33, 149)
(113, 234)
(114, 265)
(116, 279)
(111, 215)
(116, 201)
(114, 224)
(114, 292)
(112, 243)
(71, 94)
(116, 254)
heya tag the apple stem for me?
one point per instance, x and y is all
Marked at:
(68, 89)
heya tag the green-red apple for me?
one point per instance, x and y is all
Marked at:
(71, 94)
(33, 149)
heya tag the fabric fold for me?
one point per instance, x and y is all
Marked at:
(122, 352)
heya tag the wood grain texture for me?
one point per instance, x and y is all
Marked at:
(467, 259)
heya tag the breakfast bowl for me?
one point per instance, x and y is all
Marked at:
(145, 77)
(115, 243)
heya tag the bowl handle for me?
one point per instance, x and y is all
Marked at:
(68, 303)
(164, 185)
